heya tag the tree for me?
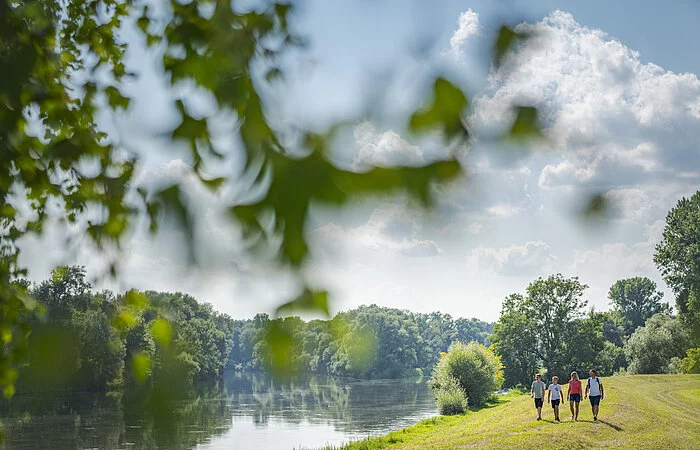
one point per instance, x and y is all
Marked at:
(540, 328)
(678, 258)
(653, 347)
(515, 341)
(691, 363)
(636, 300)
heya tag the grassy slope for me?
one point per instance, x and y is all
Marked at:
(643, 411)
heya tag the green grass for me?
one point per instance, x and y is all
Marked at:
(642, 411)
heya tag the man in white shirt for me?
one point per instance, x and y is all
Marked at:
(594, 390)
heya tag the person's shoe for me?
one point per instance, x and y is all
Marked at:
(572, 417)
(595, 417)
(558, 419)
(539, 418)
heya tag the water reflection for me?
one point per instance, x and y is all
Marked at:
(240, 411)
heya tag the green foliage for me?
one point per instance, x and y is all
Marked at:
(445, 112)
(450, 397)
(678, 258)
(476, 369)
(96, 341)
(691, 363)
(652, 348)
(62, 62)
(526, 125)
(636, 300)
(543, 328)
(367, 342)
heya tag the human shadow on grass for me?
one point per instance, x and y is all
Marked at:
(611, 425)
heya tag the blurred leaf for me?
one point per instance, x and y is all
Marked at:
(124, 321)
(273, 74)
(214, 183)
(309, 301)
(6, 334)
(136, 299)
(445, 112)
(280, 341)
(596, 207)
(116, 99)
(9, 391)
(526, 125)
(141, 366)
(172, 203)
(162, 331)
(506, 40)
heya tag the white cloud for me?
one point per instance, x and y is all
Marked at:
(615, 121)
(384, 149)
(531, 259)
(389, 228)
(468, 26)
(475, 228)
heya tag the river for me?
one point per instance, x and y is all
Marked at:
(241, 411)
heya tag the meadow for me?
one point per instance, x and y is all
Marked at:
(640, 411)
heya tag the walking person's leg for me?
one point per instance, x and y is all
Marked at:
(595, 401)
(577, 406)
(571, 405)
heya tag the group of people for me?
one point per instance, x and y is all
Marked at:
(594, 392)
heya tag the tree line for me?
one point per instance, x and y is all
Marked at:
(83, 339)
(366, 342)
(87, 340)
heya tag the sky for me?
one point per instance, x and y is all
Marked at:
(616, 83)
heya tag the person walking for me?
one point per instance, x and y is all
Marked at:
(574, 394)
(537, 392)
(594, 390)
(554, 395)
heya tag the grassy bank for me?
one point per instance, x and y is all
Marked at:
(643, 411)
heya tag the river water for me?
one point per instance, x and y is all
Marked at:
(242, 411)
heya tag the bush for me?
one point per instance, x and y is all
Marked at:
(475, 368)
(651, 348)
(691, 363)
(450, 397)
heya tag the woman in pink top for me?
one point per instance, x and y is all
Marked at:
(574, 393)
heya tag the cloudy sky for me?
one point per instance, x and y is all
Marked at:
(620, 100)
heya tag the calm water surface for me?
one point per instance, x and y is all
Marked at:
(243, 411)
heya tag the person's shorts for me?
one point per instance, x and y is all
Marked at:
(595, 400)
(575, 398)
(555, 403)
(539, 402)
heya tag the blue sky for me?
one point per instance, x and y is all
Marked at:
(618, 88)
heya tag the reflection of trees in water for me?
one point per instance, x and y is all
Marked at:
(145, 419)
(346, 404)
(138, 419)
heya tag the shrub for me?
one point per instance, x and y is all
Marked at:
(450, 397)
(651, 348)
(691, 363)
(474, 367)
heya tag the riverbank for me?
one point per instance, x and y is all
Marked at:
(642, 411)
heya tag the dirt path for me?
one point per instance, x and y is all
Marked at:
(675, 402)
